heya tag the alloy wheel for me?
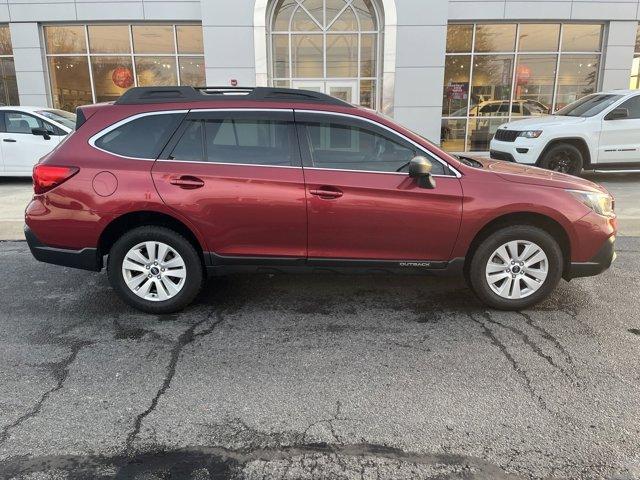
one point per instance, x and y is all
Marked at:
(517, 269)
(154, 271)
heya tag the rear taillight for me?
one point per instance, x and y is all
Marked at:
(46, 177)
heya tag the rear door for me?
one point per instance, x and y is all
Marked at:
(362, 205)
(620, 138)
(21, 149)
(237, 175)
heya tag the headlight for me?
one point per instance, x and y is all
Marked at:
(530, 133)
(601, 203)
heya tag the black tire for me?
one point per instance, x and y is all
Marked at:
(564, 158)
(477, 270)
(194, 270)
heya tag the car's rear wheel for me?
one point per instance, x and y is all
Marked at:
(155, 269)
(516, 267)
(564, 158)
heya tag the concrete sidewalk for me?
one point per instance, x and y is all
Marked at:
(15, 194)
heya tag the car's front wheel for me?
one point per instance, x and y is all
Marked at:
(563, 158)
(155, 269)
(516, 267)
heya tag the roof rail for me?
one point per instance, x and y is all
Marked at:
(143, 95)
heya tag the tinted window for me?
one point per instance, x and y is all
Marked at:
(349, 147)
(633, 105)
(256, 142)
(16, 122)
(143, 137)
(190, 146)
(588, 106)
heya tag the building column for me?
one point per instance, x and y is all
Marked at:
(29, 58)
(229, 52)
(420, 56)
(618, 54)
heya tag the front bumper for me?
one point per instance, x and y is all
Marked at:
(598, 264)
(522, 150)
(84, 259)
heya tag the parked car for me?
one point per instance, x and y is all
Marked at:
(29, 133)
(170, 184)
(598, 132)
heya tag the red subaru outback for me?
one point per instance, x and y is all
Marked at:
(172, 184)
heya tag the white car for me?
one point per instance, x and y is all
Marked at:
(598, 132)
(29, 133)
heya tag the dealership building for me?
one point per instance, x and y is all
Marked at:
(453, 70)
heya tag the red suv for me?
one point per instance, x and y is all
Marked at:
(174, 183)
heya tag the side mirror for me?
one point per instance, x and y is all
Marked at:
(617, 114)
(43, 132)
(420, 169)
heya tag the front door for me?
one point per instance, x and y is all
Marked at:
(346, 90)
(237, 177)
(362, 205)
(620, 138)
(21, 149)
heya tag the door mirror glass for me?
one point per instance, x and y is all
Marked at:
(617, 114)
(43, 132)
(420, 169)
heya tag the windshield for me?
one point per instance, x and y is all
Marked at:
(588, 106)
(67, 119)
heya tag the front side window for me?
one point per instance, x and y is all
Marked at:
(16, 122)
(342, 146)
(143, 137)
(633, 106)
(589, 106)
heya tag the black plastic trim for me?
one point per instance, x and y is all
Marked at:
(84, 259)
(616, 166)
(496, 155)
(598, 264)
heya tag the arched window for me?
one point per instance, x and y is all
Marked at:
(330, 46)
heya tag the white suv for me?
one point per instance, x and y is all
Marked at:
(598, 132)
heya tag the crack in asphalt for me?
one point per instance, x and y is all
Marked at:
(60, 372)
(329, 421)
(184, 339)
(544, 333)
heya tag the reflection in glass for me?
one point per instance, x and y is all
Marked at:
(368, 93)
(366, 14)
(189, 39)
(283, 9)
(346, 22)
(455, 93)
(8, 84)
(342, 56)
(535, 75)
(581, 38)
(192, 71)
(65, 39)
(459, 38)
(156, 71)
(109, 39)
(368, 52)
(453, 135)
(302, 22)
(5, 41)
(306, 56)
(153, 39)
(577, 77)
(70, 84)
(280, 47)
(333, 8)
(495, 38)
(539, 37)
(112, 76)
(491, 88)
(481, 131)
(634, 82)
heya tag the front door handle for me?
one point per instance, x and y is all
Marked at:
(187, 182)
(326, 192)
(9, 140)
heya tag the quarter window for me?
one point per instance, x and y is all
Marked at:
(348, 147)
(143, 137)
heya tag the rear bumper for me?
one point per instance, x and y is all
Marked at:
(85, 259)
(598, 264)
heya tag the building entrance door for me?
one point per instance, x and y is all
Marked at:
(346, 90)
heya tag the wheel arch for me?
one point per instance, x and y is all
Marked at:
(118, 226)
(544, 222)
(578, 142)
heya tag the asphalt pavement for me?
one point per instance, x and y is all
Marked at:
(287, 377)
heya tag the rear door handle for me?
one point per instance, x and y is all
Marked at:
(9, 140)
(326, 192)
(187, 182)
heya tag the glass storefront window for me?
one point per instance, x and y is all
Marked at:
(495, 73)
(120, 56)
(329, 46)
(634, 81)
(8, 84)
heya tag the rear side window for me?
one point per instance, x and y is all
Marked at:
(17, 122)
(143, 137)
